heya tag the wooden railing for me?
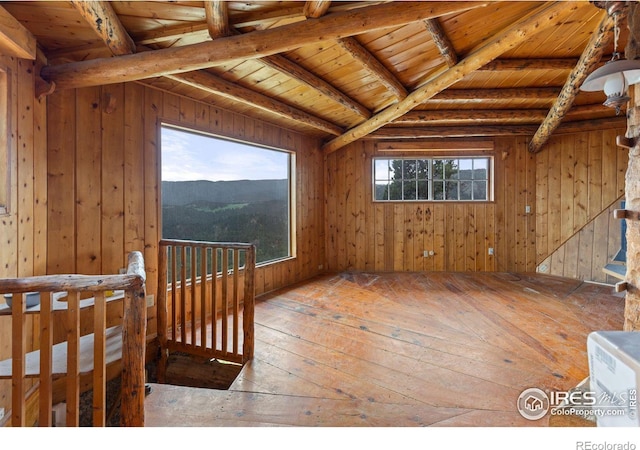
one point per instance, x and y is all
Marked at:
(79, 355)
(206, 300)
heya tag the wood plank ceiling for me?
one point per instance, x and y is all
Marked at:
(342, 70)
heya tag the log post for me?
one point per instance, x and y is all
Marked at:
(632, 184)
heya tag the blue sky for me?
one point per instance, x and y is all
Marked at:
(190, 156)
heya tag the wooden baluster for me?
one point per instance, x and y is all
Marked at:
(18, 350)
(73, 359)
(203, 297)
(214, 298)
(225, 301)
(194, 283)
(236, 299)
(174, 298)
(162, 311)
(99, 360)
(45, 393)
(183, 295)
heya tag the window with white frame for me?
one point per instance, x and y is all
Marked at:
(432, 179)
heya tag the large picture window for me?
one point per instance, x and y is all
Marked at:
(432, 179)
(220, 190)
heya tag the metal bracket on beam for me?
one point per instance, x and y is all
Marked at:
(625, 142)
(621, 286)
(626, 214)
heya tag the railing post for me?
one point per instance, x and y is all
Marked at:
(134, 333)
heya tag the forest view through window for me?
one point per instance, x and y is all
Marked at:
(219, 190)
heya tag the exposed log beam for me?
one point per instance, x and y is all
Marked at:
(482, 116)
(442, 41)
(217, 14)
(539, 19)
(210, 83)
(509, 65)
(252, 45)
(488, 130)
(105, 22)
(543, 95)
(15, 39)
(316, 8)
(375, 67)
(454, 131)
(586, 64)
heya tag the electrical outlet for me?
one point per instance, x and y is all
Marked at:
(490, 251)
(150, 300)
(1, 413)
(527, 209)
(425, 254)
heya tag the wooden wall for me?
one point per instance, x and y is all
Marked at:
(578, 177)
(374, 236)
(23, 231)
(104, 179)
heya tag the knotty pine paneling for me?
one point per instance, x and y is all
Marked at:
(578, 177)
(104, 179)
(375, 236)
(23, 231)
(584, 254)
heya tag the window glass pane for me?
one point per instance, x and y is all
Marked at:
(381, 191)
(466, 169)
(465, 190)
(438, 190)
(381, 169)
(409, 169)
(395, 190)
(451, 190)
(423, 190)
(481, 167)
(225, 191)
(480, 190)
(438, 169)
(423, 169)
(410, 190)
(450, 169)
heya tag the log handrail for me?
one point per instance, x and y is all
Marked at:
(133, 342)
(191, 305)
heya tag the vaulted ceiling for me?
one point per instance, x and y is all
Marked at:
(340, 70)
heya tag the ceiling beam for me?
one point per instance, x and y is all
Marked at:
(15, 39)
(256, 44)
(544, 95)
(217, 14)
(515, 64)
(537, 20)
(442, 41)
(210, 83)
(316, 8)
(588, 61)
(374, 66)
(439, 131)
(105, 22)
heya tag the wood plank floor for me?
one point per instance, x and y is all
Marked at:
(403, 349)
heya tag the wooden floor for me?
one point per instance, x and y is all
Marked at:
(403, 349)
